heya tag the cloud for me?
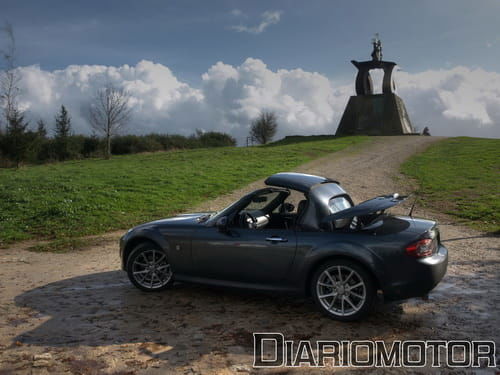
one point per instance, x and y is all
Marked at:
(268, 18)
(457, 101)
(236, 13)
(156, 93)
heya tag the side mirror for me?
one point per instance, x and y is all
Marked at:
(221, 224)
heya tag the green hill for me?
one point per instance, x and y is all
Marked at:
(77, 198)
(461, 177)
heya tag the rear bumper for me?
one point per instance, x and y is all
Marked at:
(425, 274)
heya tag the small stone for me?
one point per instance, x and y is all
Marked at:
(198, 336)
(44, 356)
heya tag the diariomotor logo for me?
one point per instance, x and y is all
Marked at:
(272, 350)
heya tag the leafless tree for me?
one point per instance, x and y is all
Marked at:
(109, 112)
(9, 76)
(264, 127)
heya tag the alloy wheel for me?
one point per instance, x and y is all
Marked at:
(341, 290)
(151, 270)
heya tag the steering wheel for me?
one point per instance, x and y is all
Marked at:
(244, 222)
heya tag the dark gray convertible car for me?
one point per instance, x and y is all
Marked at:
(325, 246)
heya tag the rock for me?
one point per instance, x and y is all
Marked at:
(198, 336)
(44, 356)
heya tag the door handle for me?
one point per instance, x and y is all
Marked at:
(276, 239)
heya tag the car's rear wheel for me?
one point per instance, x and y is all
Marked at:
(343, 290)
(148, 268)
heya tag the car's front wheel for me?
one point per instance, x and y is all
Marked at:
(343, 290)
(148, 268)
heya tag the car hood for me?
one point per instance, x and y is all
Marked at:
(178, 220)
(368, 207)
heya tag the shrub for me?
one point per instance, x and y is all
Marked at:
(42, 149)
(215, 139)
(90, 146)
(132, 144)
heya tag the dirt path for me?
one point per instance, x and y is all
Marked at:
(80, 315)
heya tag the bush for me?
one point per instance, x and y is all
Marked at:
(44, 150)
(91, 146)
(215, 139)
(132, 144)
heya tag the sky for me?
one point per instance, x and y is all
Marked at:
(214, 65)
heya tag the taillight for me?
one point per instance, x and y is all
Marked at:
(421, 248)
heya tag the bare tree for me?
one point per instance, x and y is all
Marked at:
(9, 77)
(264, 127)
(109, 112)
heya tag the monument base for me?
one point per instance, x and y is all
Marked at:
(380, 114)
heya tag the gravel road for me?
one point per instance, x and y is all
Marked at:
(76, 313)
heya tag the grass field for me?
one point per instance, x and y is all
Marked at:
(72, 199)
(461, 177)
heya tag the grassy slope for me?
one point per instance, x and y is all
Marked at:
(461, 176)
(78, 198)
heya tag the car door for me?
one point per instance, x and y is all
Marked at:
(257, 256)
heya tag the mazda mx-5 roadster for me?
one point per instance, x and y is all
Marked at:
(301, 233)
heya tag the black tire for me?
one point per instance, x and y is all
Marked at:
(150, 277)
(337, 306)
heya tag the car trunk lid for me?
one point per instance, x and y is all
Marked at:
(369, 207)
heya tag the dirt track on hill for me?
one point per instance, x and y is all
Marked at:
(77, 313)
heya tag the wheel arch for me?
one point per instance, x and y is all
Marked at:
(132, 243)
(327, 258)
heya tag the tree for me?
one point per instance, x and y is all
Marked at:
(41, 128)
(264, 127)
(17, 140)
(9, 78)
(62, 132)
(63, 124)
(109, 112)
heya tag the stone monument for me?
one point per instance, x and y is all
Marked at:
(374, 114)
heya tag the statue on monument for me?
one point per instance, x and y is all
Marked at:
(377, 48)
(371, 113)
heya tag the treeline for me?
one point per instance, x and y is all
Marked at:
(19, 144)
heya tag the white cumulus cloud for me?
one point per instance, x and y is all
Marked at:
(457, 101)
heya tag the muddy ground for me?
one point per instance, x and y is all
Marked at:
(76, 313)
